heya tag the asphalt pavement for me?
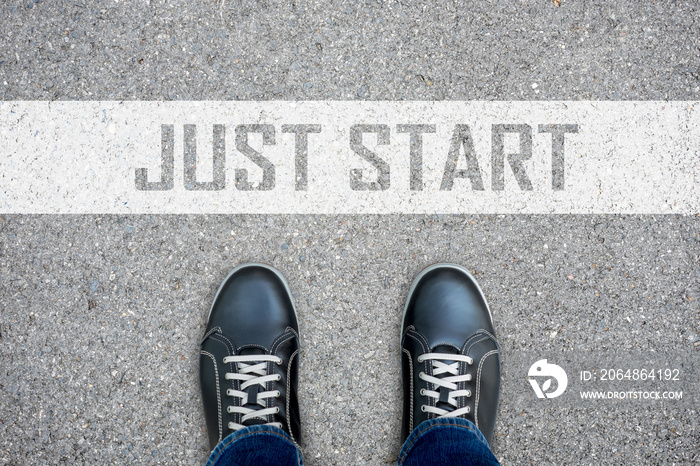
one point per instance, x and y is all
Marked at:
(101, 315)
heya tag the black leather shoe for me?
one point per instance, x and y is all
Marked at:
(450, 358)
(249, 358)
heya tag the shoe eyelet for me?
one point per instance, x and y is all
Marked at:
(279, 377)
(228, 392)
(422, 408)
(420, 358)
(277, 410)
(228, 409)
(469, 393)
(468, 410)
(279, 362)
(422, 391)
(278, 393)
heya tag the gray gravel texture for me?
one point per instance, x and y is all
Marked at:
(100, 316)
(378, 50)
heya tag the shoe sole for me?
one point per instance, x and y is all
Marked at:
(442, 266)
(264, 266)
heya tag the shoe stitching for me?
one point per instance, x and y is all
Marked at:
(288, 394)
(465, 350)
(230, 349)
(418, 340)
(206, 335)
(221, 338)
(274, 343)
(491, 335)
(217, 332)
(480, 334)
(285, 335)
(288, 335)
(410, 365)
(424, 341)
(448, 344)
(411, 332)
(228, 344)
(218, 392)
(485, 334)
(463, 385)
(253, 346)
(478, 385)
(471, 345)
(278, 342)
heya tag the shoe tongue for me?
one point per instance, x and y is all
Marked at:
(250, 351)
(254, 422)
(445, 349)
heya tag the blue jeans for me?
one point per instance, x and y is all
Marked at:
(446, 441)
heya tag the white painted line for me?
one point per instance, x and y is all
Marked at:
(349, 157)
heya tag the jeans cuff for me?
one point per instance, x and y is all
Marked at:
(449, 422)
(242, 435)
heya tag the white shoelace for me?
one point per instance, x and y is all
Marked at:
(449, 382)
(252, 370)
